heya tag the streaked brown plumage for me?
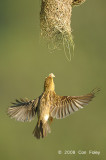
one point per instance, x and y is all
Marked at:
(47, 106)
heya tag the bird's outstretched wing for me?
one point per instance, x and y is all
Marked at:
(23, 110)
(65, 105)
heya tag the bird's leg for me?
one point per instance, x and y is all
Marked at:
(77, 2)
(50, 119)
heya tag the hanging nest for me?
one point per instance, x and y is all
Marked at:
(55, 20)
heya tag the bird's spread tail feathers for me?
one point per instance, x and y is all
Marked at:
(41, 130)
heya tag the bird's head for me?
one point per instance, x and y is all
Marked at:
(49, 83)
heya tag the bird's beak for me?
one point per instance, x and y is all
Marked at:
(52, 75)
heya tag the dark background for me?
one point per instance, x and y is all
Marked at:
(25, 61)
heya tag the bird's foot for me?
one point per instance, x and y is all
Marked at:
(77, 2)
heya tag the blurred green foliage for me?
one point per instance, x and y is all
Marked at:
(25, 61)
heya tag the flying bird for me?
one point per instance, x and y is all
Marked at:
(47, 106)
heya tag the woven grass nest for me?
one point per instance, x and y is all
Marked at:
(55, 20)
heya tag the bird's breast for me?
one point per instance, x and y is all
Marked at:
(44, 109)
(44, 113)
